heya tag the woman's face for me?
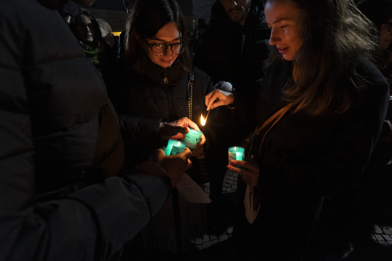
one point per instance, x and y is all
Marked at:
(286, 21)
(85, 29)
(385, 36)
(168, 34)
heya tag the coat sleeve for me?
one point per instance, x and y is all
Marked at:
(92, 223)
(139, 126)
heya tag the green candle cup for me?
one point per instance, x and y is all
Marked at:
(174, 147)
(236, 153)
(192, 138)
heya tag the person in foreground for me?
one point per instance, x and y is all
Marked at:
(332, 102)
(64, 192)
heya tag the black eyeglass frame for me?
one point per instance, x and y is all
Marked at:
(182, 48)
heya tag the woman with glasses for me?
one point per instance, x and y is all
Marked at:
(157, 91)
(319, 113)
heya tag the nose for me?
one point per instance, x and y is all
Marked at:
(274, 37)
(168, 52)
(233, 4)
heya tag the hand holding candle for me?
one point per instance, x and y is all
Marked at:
(195, 140)
(171, 131)
(175, 166)
(176, 130)
(174, 147)
(249, 171)
(186, 123)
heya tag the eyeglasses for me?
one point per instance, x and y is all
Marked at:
(389, 25)
(159, 49)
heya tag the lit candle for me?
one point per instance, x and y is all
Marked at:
(178, 147)
(192, 138)
(236, 153)
(174, 147)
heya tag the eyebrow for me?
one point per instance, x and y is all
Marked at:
(179, 38)
(281, 19)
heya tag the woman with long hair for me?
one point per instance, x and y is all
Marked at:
(319, 113)
(159, 85)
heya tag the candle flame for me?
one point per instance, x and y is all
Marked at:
(202, 120)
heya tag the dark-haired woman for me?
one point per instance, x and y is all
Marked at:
(329, 102)
(157, 86)
(104, 57)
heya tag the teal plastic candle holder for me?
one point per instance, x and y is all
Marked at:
(174, 147)
(192, 138)
(236, 153)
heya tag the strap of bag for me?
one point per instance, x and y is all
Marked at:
(275, 118)
(252, 208)
(190, 93)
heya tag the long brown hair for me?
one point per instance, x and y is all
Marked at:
(336, 37)
(146, 19)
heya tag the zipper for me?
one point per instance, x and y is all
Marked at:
(165, 80)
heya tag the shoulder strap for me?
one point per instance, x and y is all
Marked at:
(190, 92)
(275, 119)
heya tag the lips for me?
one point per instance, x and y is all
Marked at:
(166, 62)
(235, 12)
(283, 50)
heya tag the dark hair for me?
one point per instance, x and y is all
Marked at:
(98, 35)
(146, 19)
(336, 37)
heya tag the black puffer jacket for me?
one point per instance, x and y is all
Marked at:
(143, 101)
(58, 128)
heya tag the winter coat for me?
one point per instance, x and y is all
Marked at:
(304, 158)
(143, 101)
(59, 131)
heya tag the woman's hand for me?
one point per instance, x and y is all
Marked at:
(177, 130)
(198, 152)
(175, 165)
(249, 172)
(218, 98)
(170, 130)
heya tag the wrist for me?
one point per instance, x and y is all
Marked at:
(232, 104)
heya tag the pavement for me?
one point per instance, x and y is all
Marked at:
(356, 226)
